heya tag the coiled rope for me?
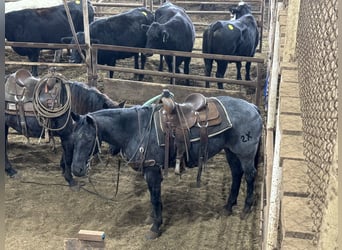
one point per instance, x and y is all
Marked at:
(43, 113)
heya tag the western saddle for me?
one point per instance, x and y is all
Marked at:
(176, 120)
(20, 88)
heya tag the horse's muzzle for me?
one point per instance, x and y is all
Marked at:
(79, 171)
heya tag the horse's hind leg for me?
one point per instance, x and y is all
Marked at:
(237, 173)
(250, 174)
(153, 178)
(8, 166)
(11, 172)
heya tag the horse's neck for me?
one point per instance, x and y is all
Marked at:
(126, 137)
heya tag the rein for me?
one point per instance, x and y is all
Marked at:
(140, 148)
(92, 154)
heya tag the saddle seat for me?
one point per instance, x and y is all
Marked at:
(176, 120)
(195, 109)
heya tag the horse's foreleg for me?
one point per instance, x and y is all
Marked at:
(67, 160)
(11, 172)
(153, 178)
(237, 173)
(62, 163)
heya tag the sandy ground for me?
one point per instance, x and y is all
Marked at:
(41, 210)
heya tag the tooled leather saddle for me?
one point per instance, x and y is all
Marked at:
(19, 94)
(180, 124)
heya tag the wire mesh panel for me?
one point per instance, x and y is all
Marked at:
(317, 61)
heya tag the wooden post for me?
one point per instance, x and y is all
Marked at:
(91, 78)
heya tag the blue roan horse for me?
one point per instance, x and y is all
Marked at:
(83, 100)
(132, 131)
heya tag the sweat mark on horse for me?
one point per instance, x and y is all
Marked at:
(132, 132)
(20, 114)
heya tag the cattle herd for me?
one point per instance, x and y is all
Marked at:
(168, 28)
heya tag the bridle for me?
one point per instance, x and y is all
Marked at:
(96, 144)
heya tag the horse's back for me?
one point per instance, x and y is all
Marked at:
(246, 122)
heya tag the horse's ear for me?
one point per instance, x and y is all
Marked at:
(75, 117)
(90, 119)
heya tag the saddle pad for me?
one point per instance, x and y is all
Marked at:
(194, 132)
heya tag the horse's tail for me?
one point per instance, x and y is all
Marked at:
(257, 155)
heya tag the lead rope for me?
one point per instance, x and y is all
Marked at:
(97, 143)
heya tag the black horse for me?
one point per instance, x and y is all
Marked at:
(84, 99)
(132, 131)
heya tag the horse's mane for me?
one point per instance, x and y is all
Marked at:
(88, 99)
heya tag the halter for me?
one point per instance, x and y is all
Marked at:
(140, 148)
(96, 143)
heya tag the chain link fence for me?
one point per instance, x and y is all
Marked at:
(318, 78)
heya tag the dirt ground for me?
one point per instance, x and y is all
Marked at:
(42, 211)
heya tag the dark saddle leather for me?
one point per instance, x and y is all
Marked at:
(20, 88)
(196, 110)
(196, 119)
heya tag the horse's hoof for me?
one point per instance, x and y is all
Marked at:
(152, 235)
(244, 214)
(227, 210)
(74, 186)
(11, 172)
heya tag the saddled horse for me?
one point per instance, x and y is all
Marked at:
(21, 116)
(139, 133)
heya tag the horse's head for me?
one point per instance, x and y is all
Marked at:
(86, 143)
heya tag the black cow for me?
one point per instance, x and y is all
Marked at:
(171, 30)
(238, 37)
(123, 29)
(44, 25)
